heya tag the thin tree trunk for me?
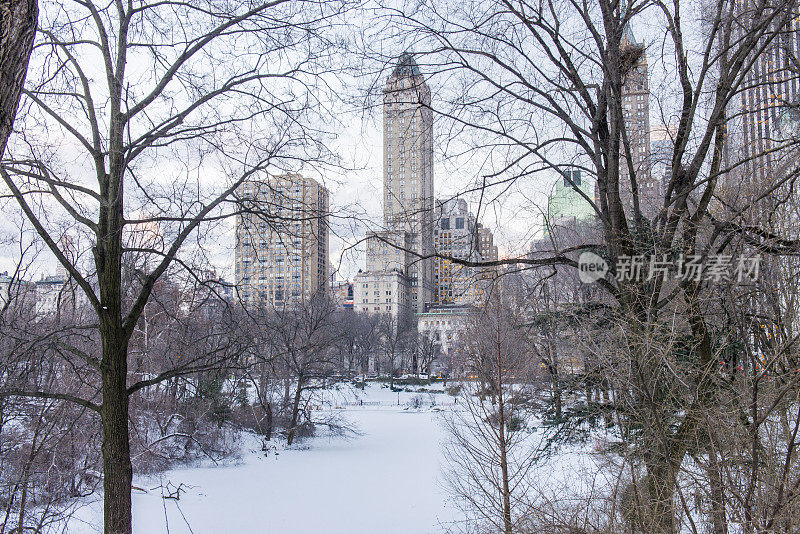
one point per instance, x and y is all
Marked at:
(506, 489)
(26, 475)
(268, 432)
(295, 411)
(718, 515)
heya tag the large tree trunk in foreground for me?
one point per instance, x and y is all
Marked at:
(17, 30)
(117, 469)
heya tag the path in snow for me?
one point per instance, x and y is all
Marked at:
(385, 481)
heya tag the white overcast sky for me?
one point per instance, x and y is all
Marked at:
(358, 188)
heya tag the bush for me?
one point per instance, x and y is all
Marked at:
(416, 402)
(515, 424)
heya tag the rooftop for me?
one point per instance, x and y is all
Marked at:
(406, 66)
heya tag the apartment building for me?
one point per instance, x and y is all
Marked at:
(457, 237)
(282, 241)
(382, 292)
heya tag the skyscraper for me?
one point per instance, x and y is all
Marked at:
(763, 118)
(408, 204)
(636, 113)
(486, 246)
(282, 241)
(566, 203)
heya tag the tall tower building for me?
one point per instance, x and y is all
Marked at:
(636, 112)
(408, 203)
(282, 258)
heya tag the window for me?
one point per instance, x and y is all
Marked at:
(459, 223)
(574, 175)
(446, 224)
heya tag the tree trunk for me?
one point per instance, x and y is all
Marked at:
(557, 395)
(295, 411)
(117, 469)
(718, 515)
(506, 488)
(17, 31)
(660, 517)
(268, 432)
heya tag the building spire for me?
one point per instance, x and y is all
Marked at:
(406, 66)
(627, 33)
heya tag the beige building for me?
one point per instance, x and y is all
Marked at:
(636, 112)
(388, 251)
(382, 292)
(282, 247)
(408, 204)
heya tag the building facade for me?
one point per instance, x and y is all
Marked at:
(763, 118)
(457, 236)
(565, 202)
(382, 292)
(342, 293)
(636, 114)
(486, 246)
(408, 202)
(443, 324)
(389, 251)
(17, 294)
(282, 241)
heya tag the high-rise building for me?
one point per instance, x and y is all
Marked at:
(454, 237)
(661, 149)
(486, 246)
(282, 241)
(636, 113)
(382, 292)
(457, 236)
(388, 251)
(763, 118)
(408, 204)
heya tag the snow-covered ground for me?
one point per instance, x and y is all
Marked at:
(387, 480)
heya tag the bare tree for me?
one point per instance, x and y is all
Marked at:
(304, 338)
(488, 454)
(396, 334)
(167, 85)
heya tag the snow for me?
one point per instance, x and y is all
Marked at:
(387, 480)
